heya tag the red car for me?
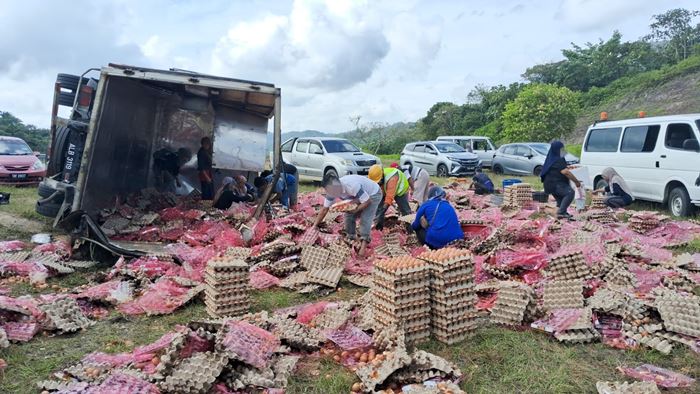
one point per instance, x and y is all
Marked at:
(19, 165)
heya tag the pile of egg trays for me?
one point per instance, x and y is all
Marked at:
(518, 195)
(227, 290)
(452, 296)
(570, 266)
(401, 296)
(598, 202)
(513, 300)
(643, 225)
(680, 314)
(563, 294)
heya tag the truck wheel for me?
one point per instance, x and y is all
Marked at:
(58, 149)
(66, 99)
(537, 171)
(679, 202)
(49, 209)
(45, 191)
(442, 171)
(331, 172)
(69, 81)
(497, 169)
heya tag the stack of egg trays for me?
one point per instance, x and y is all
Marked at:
(569, 266)
(452, 298)
(519, 194)
(402, 297)
(227, 291)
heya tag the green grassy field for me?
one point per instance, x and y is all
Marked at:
(494, 360)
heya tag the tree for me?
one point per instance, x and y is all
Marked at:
(37, 139)
(541, 112)
(674, 28)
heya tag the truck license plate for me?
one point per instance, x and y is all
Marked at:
(19, 176)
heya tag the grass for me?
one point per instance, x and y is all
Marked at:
(494, 360)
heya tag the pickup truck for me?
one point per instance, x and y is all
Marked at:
(317, 157)
(124, 114)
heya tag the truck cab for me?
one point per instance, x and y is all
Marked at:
(121, 115)
(480, 145)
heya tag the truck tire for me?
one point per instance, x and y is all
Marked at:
(679, 202)
(442, 171)
(49, 209)
(58, 149)
(69, 81)
(66, 99)
(45, 191)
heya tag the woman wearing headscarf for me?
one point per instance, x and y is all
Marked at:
(233, 190)
(556, 175)
(618, 193)
(436, 223)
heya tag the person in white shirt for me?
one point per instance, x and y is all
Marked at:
(419, 180)
(363, 191)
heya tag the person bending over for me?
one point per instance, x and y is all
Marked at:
(363, 191)
(436, 223)
(395, 187)
(618, 193)
(481, 183)
(418, 180)
(555, 176)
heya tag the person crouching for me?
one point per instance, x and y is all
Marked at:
(436, 223)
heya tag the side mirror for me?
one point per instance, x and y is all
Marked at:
(691, 144)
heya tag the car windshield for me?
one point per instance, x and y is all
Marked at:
(542, 149)
(339, 146)
(449, 148)
(15, 148)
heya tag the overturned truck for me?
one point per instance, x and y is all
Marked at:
(105, 150)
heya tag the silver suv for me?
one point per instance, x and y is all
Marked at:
(440, 158)
(318, 156)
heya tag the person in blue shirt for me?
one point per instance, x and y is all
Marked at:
(281, 188)
(436, 223)
(481, 183)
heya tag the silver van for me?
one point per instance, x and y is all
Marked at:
(482, 146)
(440, 158)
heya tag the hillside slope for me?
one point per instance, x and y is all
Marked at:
(669, 91)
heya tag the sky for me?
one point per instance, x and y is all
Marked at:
(384, 61)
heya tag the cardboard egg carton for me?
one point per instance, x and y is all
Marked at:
(52, 385)
(360, 280)
(338, 255)
(297, 335)
(603, 216)
(88, 371)
(332, 318)
(627, 388)
(418, 337)
(562, 294)
(513, 300)
(680, 314)
(392, 312)
(404, 299)
(490, 244)
(591, 227)
(661, 345)
(219, 311)
(195, 374)
(244, 378)
(283, 267)
(569, 266)
(389, 250)
(496, 272)
(372, 375)
(598, 202)
(329, 276)
(389, 337)
(445, 256)
(14, 257)
(65, 315)
(314, 256)
(294, 281)
(621, 276)
(577, 336)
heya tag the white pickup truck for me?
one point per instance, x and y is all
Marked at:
(319, 156)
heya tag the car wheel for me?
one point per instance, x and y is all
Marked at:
(497, 169)
(442, 171)
(48, 209)
(679, 202)
(537, 171)
(601, 184)
(331, 172)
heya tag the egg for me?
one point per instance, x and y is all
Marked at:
(357, 387)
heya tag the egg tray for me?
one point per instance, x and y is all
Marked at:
(675, 338)
(195, 374)
(227, 302)
(577, 336)
(414, 339)
(467, 300)
(338, 255)
(236, 286)
(230, 311)
(621, 276)
(390, 250)
(409, 324)
(605, 300)
(243, 377)
(296, 335)
(407, 282)
(452, 327)
(372, 375)
(446, 256)
(401, 266)
(424, 361)
(20, 331)
(70, 387)
(237, 252)
(332, 318)
(569, 267)
(329, 276)
(562, 294)
(51, 261)
(381, 311)
(389, 337)
(360, 280)
(80, 371)
(453, 286)
(399, 297)
(294, 281)
(651, 341)
(454, 338)
(314, 256)
(364, 318)
(627, 388)
(15, 257)
(65, 315)
(598, 202)
(451, 313)
(283, 368)
(247, 343)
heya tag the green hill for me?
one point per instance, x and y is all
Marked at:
(671, 90)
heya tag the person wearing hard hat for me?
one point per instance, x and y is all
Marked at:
(395, 186)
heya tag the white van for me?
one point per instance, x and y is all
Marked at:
(480, 145)
(659, 158)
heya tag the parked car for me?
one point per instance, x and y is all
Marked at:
(524, 158)
(440, 158)
(18, 163)
(659, 158)
(482, 146)
(319, 156)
